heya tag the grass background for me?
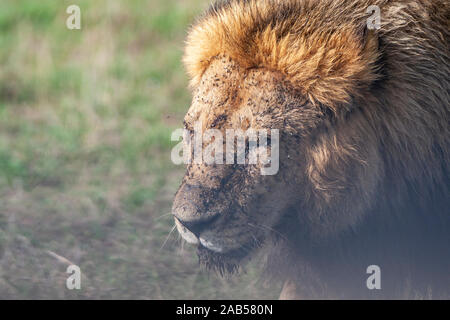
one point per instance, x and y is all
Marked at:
(85, 170)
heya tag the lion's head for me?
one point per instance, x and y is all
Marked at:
(254, 69)
(361, 135)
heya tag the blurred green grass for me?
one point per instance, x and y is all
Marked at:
(85, 170)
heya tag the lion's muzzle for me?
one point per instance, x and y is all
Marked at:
(193, 219)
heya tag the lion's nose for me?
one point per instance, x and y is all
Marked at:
(190, 210)
(196, 227)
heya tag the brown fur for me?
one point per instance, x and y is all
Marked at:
(364, 148)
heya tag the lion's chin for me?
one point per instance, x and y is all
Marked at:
(225, 262)
(222, 263)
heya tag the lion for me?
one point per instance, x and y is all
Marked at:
(363, 117)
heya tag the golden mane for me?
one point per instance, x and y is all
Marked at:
(328, 65)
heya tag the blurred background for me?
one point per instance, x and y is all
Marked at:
(85, 171)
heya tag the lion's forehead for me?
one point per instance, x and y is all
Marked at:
(231, 97)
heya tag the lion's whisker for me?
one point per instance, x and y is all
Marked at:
(164, 215)
(180, 239)
(257, 242)
(168, 236)
(263, 227)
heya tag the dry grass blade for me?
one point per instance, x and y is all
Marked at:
(60, 259)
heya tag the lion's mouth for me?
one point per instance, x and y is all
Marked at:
(187, 235)
(217, 256)
(211, 242)
(211, 245)
(200, 240)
